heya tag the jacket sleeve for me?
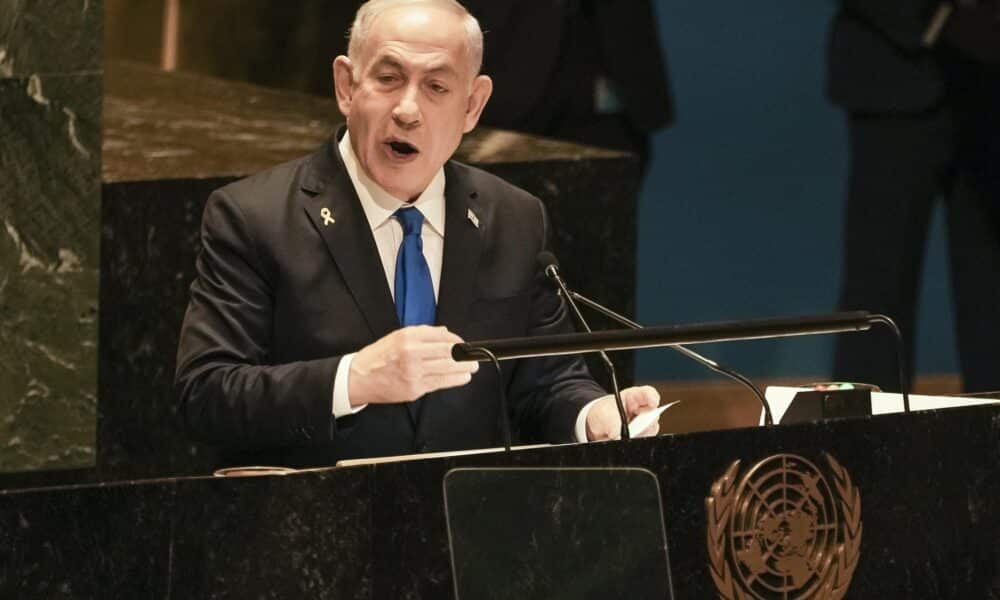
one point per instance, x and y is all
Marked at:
(227, 391)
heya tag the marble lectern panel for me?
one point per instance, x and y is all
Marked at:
(924, 501)
(50, 36)
(50, 157)
(97, 542)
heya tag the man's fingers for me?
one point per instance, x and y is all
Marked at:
(447, 366)
(419, 350)
(420, 342)
(428, 333)
(640, 399)
(441, 382)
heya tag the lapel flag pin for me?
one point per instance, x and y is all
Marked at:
(327, 217)
(472, 217)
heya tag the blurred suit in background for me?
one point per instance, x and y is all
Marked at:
(923, 124)
(590, 71)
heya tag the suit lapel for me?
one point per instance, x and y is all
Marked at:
(462, 247)
(348, 238)
(459, 264)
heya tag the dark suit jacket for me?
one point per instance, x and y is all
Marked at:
(280, 297)
(544, 56)
(875, 60)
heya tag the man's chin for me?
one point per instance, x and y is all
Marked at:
(404, 180)
(400, 186)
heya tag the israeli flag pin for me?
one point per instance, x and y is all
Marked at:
(472, 217)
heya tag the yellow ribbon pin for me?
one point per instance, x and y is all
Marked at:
(327, 217)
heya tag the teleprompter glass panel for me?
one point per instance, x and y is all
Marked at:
(556, 533)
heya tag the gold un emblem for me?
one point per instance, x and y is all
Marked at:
(782, 531)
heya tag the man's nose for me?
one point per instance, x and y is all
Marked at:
(407, 111)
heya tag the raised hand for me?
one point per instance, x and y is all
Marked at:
(603, 421)
(405, 365)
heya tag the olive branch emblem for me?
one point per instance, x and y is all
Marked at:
(827, 570)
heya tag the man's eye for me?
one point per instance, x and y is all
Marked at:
(387, 78)
(438, 88)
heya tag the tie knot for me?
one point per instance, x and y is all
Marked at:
(411, 219)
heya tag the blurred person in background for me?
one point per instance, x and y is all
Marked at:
(588, 71)
(920, 83)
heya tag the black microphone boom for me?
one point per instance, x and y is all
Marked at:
(550, 266)
(656, 337)
(675, 336)
(698, 358)
(552, 269)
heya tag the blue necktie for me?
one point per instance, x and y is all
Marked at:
(414, 291)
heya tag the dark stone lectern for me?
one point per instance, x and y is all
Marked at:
(895, 506)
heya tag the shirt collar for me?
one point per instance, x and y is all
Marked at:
(379, 205)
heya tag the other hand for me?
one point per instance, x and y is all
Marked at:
(405, 365)
(603, 422)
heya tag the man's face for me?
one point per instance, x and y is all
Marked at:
(411, 97)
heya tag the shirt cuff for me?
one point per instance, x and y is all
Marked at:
(581, 421)
(341, 400)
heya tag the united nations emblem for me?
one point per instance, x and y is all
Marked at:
(785, 529)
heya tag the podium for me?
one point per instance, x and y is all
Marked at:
(889, 506)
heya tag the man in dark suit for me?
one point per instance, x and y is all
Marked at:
(920, 81)
(331, 289)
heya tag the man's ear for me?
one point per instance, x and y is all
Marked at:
(343, 83)
(482, 88)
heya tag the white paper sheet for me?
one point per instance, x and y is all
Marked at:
(882, 403)
(643, 421)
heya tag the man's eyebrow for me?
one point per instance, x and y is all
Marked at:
(442, 68)
(390, 61)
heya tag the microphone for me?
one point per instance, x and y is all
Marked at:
(552, 270)
(549, 265)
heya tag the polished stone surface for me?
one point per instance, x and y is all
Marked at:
(50, 155)
(171, 138)
(149, 244)
(93, 542)
(928, 485)
(162, 125)
(305, 522)
(50, 37)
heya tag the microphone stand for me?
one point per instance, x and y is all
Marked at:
(553, 274)
(904, 382)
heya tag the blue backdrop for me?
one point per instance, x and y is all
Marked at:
(740, 214)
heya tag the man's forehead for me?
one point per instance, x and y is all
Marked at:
(418, 33)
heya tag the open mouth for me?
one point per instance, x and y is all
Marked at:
(403, 149)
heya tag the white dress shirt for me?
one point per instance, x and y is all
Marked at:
(379, 207)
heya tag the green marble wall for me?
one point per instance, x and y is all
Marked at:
(50, 161)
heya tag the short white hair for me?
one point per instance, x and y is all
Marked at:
(372, 9)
